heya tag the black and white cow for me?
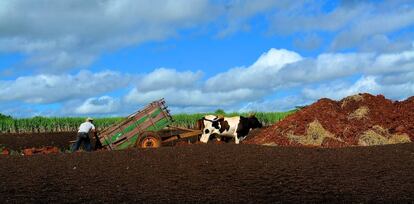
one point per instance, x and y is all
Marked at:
(237, 127)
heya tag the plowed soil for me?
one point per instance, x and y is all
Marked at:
(213, 173)
(37, 140)
(361, 119)
(40, 143)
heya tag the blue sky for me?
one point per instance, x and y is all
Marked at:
(111, 57)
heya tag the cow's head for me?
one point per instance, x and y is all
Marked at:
(209, 124)
(254, 122)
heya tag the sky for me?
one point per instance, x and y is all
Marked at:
(105, 58)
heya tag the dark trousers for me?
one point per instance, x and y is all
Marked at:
(83, 137)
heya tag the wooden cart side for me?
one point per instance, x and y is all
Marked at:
(130, 122)
(151, 124)
(131, 118)
(153, 117)
(108, 137)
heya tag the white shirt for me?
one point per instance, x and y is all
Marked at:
(86, 127)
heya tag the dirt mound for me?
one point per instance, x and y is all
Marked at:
(211, 173)
(43, 150)
(361, 119)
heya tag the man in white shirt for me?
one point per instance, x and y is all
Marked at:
(83, 135)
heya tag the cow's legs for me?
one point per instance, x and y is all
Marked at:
(236, 138)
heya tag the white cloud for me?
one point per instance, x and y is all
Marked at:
(383, 44)
(281, 104)
(56, 36)
(352, 23)
(238, 12)
(273, 70)
(258, 76)
(193, 97)
(336, 65)
(396, 78)
(61, 35)
(373, 23)
(283, 68)
(340, 90)
(157, 84)
(401, 61)
(367, 84)
(241, 88)
(308, 42)
(308, 17)
(101, 105)
(324, 67)
(163, 78)
(48, 88)
(182, 89)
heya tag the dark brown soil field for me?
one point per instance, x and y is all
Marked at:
(29, 140)
(359, 120)
(211, 173)
(61, 140)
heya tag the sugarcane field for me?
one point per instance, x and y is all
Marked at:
(206, 101)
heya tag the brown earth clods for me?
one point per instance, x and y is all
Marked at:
(5, 151)
(211, 173)
(359, 120)
(43, 150)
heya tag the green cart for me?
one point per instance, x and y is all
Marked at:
(147, 128)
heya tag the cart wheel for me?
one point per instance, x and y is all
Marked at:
(149, 140)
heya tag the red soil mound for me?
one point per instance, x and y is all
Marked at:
(361, 119)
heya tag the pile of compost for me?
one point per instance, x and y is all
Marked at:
(359, 120)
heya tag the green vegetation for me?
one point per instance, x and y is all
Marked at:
(219, 112)
(53, 124)
(3, 117)
(45, 124)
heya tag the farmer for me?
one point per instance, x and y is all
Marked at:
(83, 135)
